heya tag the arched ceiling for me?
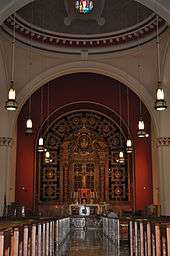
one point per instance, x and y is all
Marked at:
(53, 16)
(162, 7)
(112, 26)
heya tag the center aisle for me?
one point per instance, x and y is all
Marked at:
(90, 243)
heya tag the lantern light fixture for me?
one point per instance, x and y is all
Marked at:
(141, 133)
(11, 104)
(141, 128)
(29, 129)
(29, 126)
(160, 103)
(40, 145)
(47, 157)
(129, 147)
(121, 159)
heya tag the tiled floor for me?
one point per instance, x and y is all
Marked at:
(91, 243)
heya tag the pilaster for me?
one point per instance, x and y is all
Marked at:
(5, 147)
(163, 144)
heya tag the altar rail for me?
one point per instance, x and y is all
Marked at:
(40, 237)
(149, 237)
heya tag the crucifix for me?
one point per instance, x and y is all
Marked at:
(84, 175)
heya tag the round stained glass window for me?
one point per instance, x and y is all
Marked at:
(84, 6)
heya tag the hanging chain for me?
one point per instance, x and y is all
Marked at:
(13, 51)
(48, 105)
(30, 61)
(120, 113)
(41, 105)
(158, 49)
(128, 109)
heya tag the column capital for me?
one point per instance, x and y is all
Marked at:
(5, 141)
(163, 142)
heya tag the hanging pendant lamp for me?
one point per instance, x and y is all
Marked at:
(47, 157)
(11, 103)
(160, 103)
(121, 158)
(141, 128)
(141, 133)
(29, 126)
(129, 148)
(40, 147)
(29, 129)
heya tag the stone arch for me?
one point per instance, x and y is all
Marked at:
(91, 67)
(81, 67)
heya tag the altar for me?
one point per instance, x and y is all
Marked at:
(88, 209)
(84, 209)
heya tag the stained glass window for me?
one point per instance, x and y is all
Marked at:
(84, 6)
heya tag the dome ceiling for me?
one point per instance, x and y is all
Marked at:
(51, 14)
(56, 25)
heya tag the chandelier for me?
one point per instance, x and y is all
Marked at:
(84, 6)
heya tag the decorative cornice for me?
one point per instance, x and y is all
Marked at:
(163, 141)
(5, 141)
(116, 40)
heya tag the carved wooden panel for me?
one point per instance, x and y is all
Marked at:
(84, 148)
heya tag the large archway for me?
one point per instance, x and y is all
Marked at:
(66, 90)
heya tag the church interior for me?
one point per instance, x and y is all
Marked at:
(85, 127)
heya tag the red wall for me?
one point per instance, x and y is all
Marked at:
(82, 87)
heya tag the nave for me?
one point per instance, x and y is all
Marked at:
(85, 236)
(91, 242)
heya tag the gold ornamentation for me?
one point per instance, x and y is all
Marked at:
(163, 141)
(118, 174)
(5, 141)
(50, 191)
(50, 174)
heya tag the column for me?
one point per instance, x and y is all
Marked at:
(164, 173)
(7, 155)
(5, 143)
(163, 143)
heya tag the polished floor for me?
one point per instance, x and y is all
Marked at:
(91, 243)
